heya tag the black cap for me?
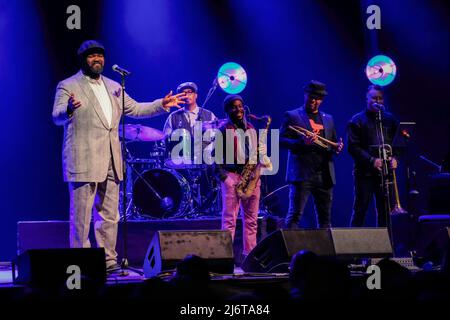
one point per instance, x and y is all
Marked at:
(90, 46)
(316, 88)
(229, 99)
(187, 85)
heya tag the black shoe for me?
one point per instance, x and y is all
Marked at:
(113, 268)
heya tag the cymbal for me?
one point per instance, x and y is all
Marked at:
(232, 78)
(137, 132)
(213, 124)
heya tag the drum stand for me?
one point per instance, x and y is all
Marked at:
(196, 187)
(200, 201)
(130, 208)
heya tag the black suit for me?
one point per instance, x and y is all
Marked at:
(361, 137)
(303, 174)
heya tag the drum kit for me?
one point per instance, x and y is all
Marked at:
(160, 188)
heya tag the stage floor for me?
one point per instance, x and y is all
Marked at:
(135, 287)
(238, 274)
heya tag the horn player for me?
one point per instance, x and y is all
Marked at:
(310, 169)
(364, 139)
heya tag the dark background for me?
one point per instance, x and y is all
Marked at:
(281, 45)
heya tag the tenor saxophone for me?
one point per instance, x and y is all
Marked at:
(252, 171)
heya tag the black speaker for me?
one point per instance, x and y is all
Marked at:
(361, 242)
(167, 248)
(49, 268)
(439, 193)
(438, 248)
(274, 253)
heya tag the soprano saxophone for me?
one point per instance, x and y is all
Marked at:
(252, 171)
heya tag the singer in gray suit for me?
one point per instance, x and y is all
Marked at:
(89, 106)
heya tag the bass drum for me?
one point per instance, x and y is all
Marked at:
(161, 193)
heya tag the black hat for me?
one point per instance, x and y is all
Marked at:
(229, 99)
(187, 85)
(316, 88)
(90, 46)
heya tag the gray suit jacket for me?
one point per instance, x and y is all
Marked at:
(89, 141)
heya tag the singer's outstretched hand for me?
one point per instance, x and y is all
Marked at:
(170, 101)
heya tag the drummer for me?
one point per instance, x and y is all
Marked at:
(186, 117)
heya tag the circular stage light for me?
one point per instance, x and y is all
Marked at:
(232, 78)
(381, 70)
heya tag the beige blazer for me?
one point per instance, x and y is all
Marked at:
(89, 141)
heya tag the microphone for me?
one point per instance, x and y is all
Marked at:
(379, 106)
(118, 69)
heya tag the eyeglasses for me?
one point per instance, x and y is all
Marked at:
(189, 92)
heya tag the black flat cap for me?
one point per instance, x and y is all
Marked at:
(90, 46)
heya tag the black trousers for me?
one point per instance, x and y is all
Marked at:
(365, 188)
(298, 196)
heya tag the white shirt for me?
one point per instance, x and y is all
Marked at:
(101, 93)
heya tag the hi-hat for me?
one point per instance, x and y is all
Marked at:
(232, 78)
(137, 132)
(381, 70)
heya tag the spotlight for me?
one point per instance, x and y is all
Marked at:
(232, 78)
(381, 70)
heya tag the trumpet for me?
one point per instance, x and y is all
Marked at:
(320, 141)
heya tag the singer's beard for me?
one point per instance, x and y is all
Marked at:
(93, 71)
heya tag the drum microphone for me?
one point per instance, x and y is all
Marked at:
(167, 204)
(120, 70)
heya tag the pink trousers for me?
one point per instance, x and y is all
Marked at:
(230, 211)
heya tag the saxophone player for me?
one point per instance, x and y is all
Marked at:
(240, 152)
(310, 169)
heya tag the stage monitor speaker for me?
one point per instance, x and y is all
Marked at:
(49, 268)
(168, 248)
(437, 249)
(273, 254)
(361, 242)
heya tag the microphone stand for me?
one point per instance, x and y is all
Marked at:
(124, 263)
(382, 153)
(210, 92)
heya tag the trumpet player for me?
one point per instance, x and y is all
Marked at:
(363, 140)
(310, 137)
